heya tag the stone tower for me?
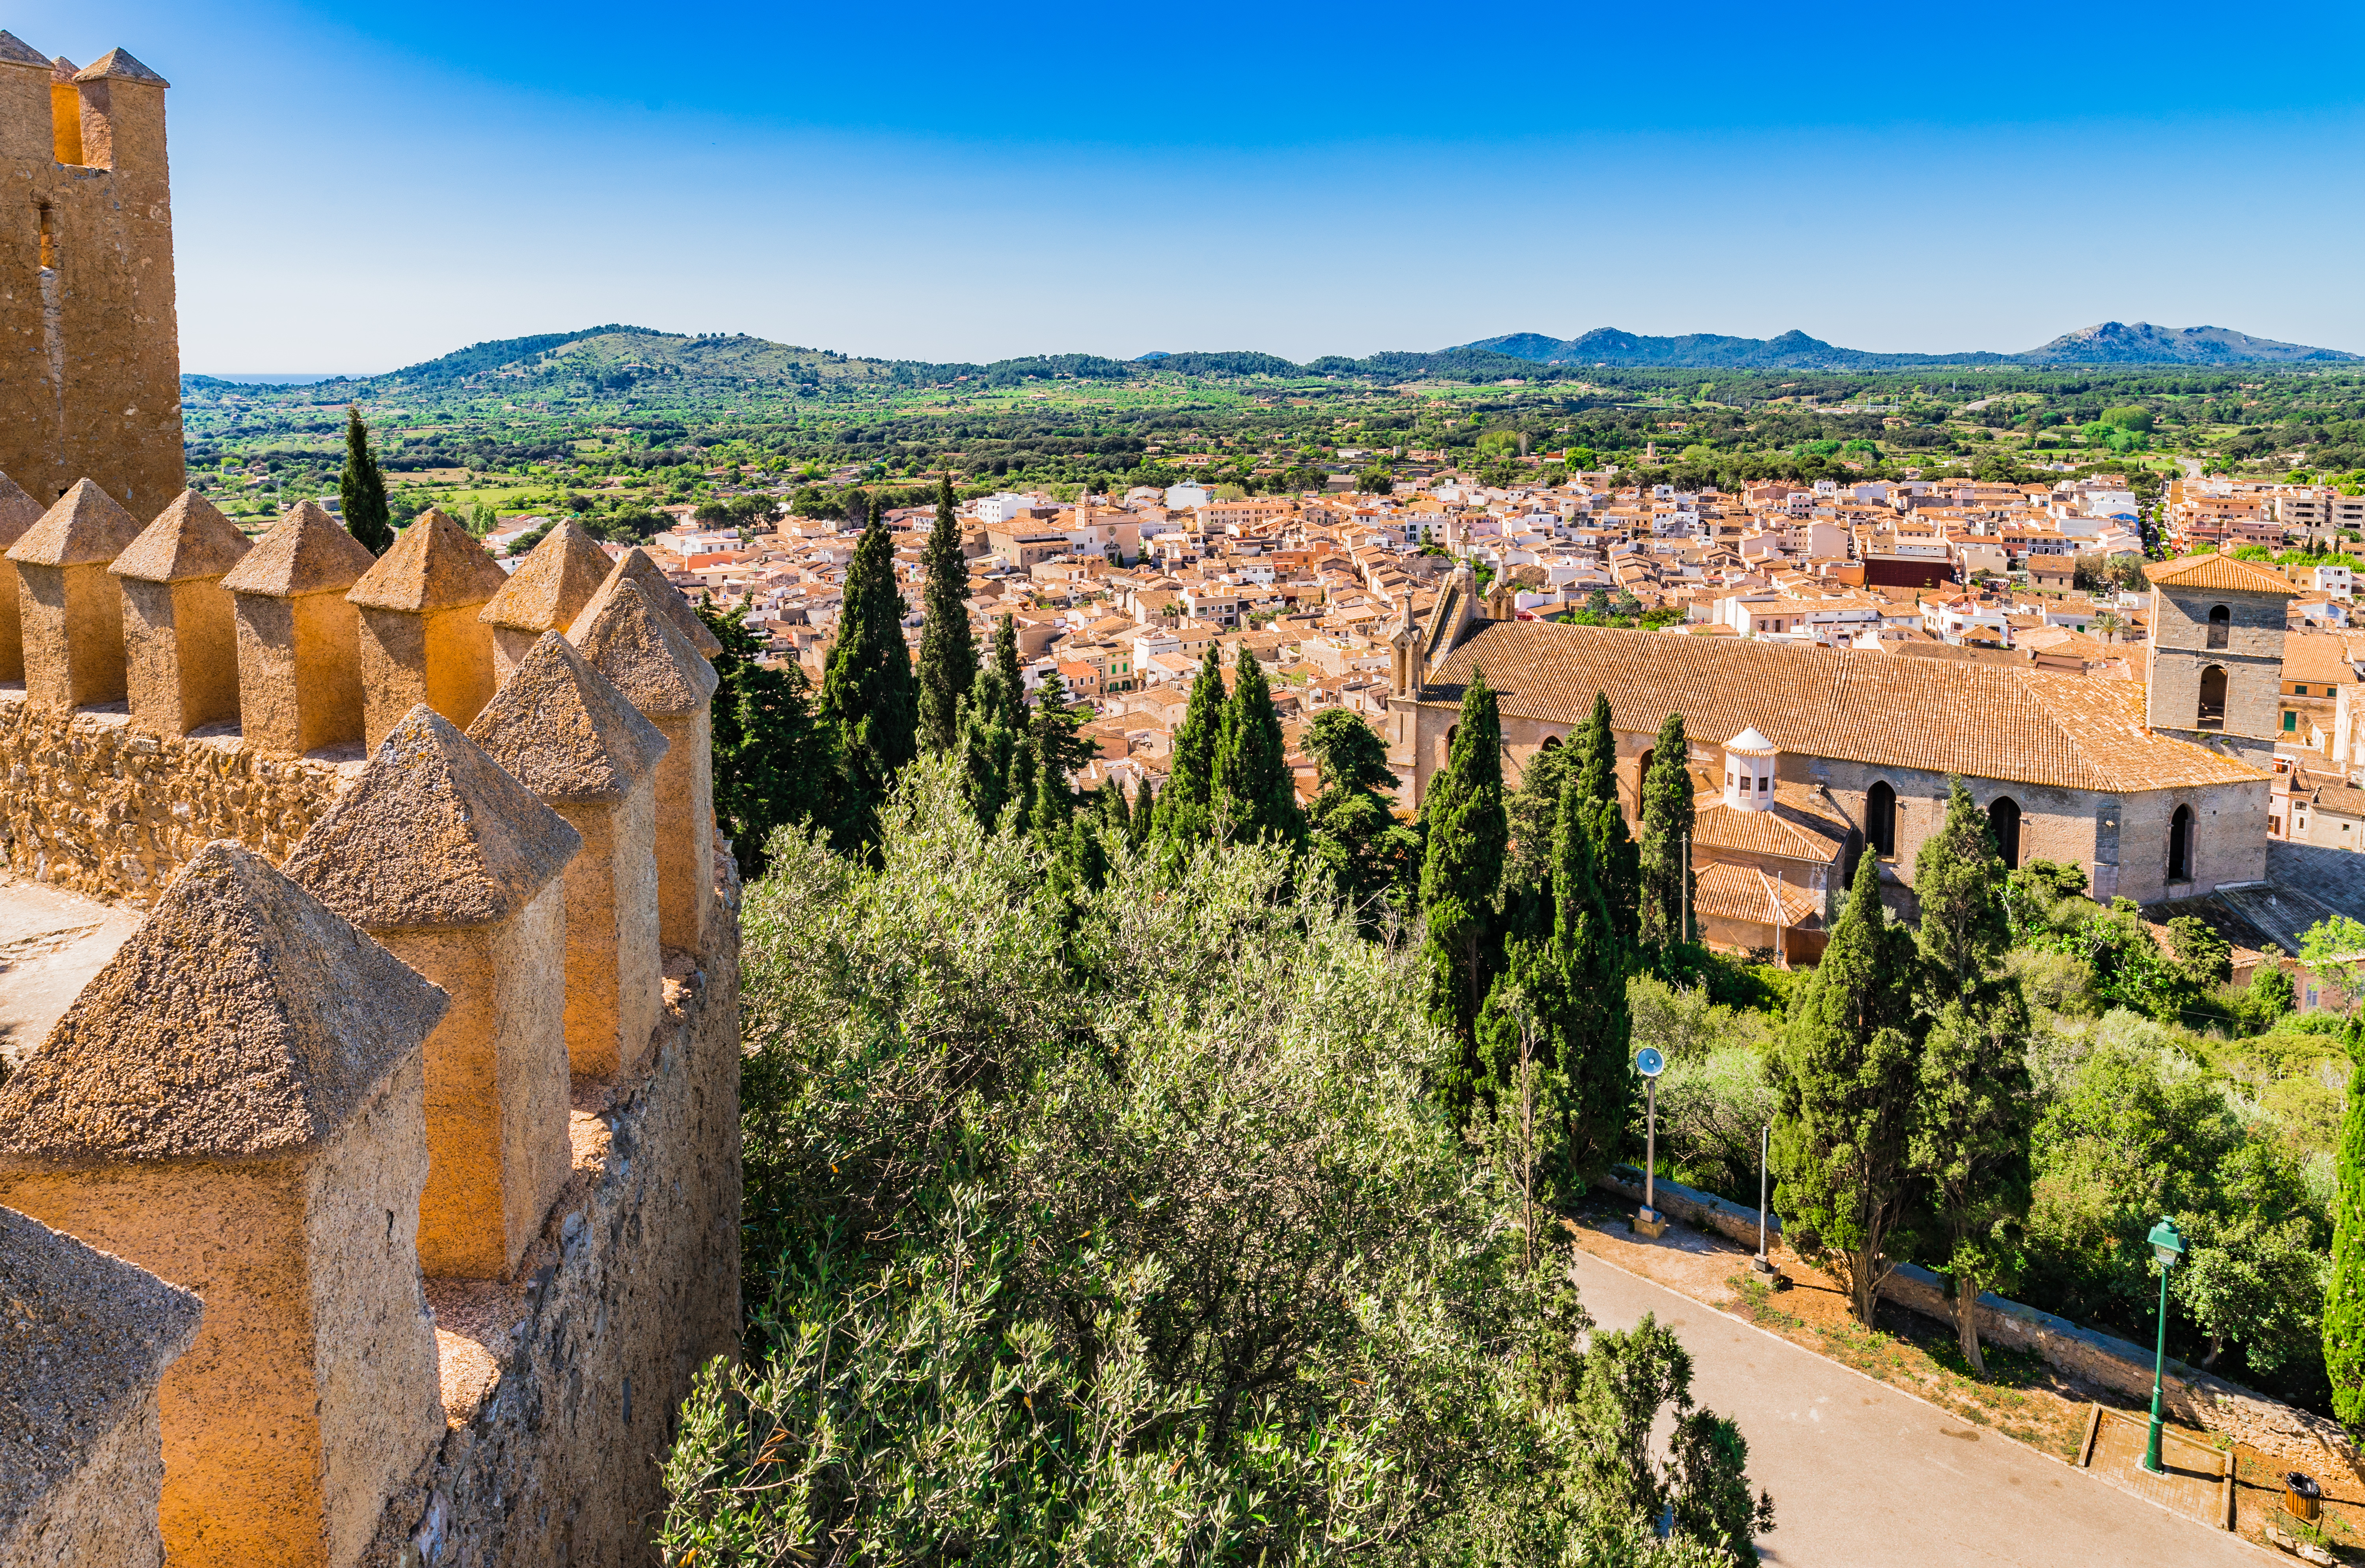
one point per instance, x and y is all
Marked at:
(90, 362)
(2215, 664)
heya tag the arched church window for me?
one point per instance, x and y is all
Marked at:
(2004, 820)
(1880, 819)
(2212, 713)
(2221, 625)
(2180, 846)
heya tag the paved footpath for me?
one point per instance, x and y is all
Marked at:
(1864, 1474)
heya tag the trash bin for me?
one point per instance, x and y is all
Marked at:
(2302, 1498)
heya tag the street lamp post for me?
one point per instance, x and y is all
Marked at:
(1762, 1263)
(1650, 1063)
(2167, 1246)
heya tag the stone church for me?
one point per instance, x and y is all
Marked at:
(1806, 758)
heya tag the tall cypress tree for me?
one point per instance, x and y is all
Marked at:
(1534, 813)
(948, 652)
(2344, 1303)
(1460, 876)
(1977, 1102)
(867, 692)
(1664, 896)
(1185, 809)
(1353, 828)
(1617, 860)
(1255, 791)
(1846, 1078)
(361, 489)
(1060, 749)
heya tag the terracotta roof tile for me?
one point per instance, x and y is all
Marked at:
(2219, 574)
(1979, 721)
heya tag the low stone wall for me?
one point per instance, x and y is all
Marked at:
(2103, 1360)
(90, 804)
(561, 1389)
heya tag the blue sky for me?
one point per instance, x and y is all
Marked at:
(359, 186)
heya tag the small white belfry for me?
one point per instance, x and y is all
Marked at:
(1749, 770)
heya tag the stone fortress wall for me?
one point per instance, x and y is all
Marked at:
(378, 1200)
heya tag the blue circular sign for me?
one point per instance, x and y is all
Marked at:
(1649, 1062)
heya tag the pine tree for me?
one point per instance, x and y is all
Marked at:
(869, 695)
(774, 762)
(1186, 809)
(1845, 1079)
(361, 489)
(1255, 791)
(1977, 1105)
(1372, 858)
(948, 652)
(1460, 876)
(1665, 895)
(2344, 1303)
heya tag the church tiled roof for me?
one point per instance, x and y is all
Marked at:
(2219, 574)
(1742, 892)
(2024, 725)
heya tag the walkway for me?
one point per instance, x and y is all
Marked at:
(1862, 1474)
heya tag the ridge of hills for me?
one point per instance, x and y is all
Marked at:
(2108, 344)
(616, 357)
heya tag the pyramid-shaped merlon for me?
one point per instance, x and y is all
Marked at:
(650, 662)
(244, 1018)
(563, 730)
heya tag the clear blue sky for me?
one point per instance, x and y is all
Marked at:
(361, 186)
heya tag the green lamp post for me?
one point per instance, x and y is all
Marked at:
(2167, 1246)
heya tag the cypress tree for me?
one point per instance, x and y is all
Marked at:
(867, 692)
(1185, 809)
(1664, 897)
(1616, 861)
(361, 489)
(1108, 804)
(1143, 818)
(1256, 792)
(948, 652)
(2344, 1303)
(1977, 1105)
(1460, 876)
(1845, 1079)
(990, 719)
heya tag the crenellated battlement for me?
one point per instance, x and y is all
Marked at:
(88, 325)
(495, 946)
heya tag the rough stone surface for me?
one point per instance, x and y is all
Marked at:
(84, 1337)
(433, 835)
(557, 579)
(307, 552)
(668, 600)
(87, 527)
(18, 511)
(636, 647)
(92, 387)
(89, 804)
(561, 1387)
(189, 539)
(563, 730)
(435, 564)
(244, 1018)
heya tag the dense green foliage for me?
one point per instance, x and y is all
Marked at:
(775, 762)
(1372, 859)
(2344, 1305)
(1256, 794)
(360, 490)
(1664, 894)
(869, 694)
(1027, 1286)
(1467, 832)
(948, 653)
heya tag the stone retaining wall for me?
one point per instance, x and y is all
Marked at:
(2103, 1359)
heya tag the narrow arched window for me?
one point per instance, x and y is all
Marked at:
(2221, 624)
(2212, 713)
(1880, 819)
(2004, 820)
(2180, 846)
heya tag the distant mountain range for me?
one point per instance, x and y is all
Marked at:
(2113, 342)
(616, 358)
